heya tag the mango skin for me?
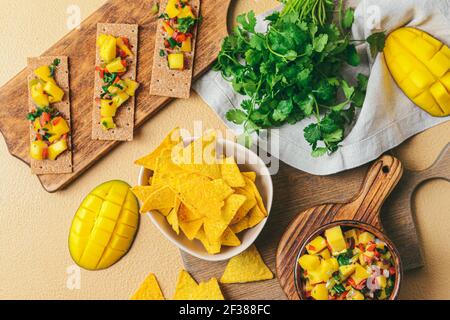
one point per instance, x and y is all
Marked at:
(420, 64)
(104, 226)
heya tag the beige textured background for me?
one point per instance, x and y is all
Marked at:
(34, 225)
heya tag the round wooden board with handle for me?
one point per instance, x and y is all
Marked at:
(381, 179)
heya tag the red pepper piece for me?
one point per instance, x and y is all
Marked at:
(391, 271)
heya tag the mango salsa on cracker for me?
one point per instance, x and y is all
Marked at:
(204, 196)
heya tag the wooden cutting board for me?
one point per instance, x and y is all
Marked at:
(79, 46)
(296, 191)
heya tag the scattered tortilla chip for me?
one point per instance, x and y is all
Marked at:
(250, 175)
(186, 287)
(230, 239)
(161, 198)
(208, 291)
(231, 173)
(172, 139)
(149, 290)
(191, 228)
(246, 267)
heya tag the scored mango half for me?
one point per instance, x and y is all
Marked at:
(104, 226)
(420, 64)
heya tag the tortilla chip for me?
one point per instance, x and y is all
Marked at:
(171, 140)
(186, 287)
(161, 198)
(191, 228)
(202, 195)
(200, 157)
(230, 239)
(215, 226)
(250, 175)
(258, 197)
(172, 219)
(255, 217)
(246, 267)
(231, 173)
(187, 215)
(249, 203)
(208, 291)
(240, 226)
(165, 212)
(212, 247)
(166, 170)
(149, 290)
(143, 192)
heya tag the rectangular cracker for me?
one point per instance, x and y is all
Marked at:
(166, 82)
(124, 118)
(63, 164)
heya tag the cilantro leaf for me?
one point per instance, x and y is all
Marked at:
(236, 116)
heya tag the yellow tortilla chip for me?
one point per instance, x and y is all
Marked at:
(240, 226)
(149, 161)
(149, 290)
(231, 173)
(166, 170)
(165, 212)
(246, 267)
(200, 157)
(255, 217)
(186, 287)
(143, 192)
(215, 226)
(258, 197)
(212, 247)
(186, 215)
(250, 175)
(191, 228)
(230, 239)
(249, 203)
(208, 291)
(172, 219)
(202, 195)
(161, 198)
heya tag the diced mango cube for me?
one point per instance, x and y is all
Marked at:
(336, 240)
(320, 292)
(381, 280)
(316, 245)
(360, 274)
(176, 61)
(325, 254)
(346, 271)
(309, 262)
(365, 237)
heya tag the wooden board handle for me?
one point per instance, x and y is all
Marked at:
(381, 179)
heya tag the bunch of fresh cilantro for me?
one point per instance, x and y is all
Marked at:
(293, 71)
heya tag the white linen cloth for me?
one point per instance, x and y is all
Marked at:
(387, 117)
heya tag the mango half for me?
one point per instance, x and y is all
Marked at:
(420, 64)
(104, 226)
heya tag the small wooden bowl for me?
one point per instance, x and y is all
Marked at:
(353, 224)
(362, 211)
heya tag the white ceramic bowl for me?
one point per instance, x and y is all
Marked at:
(250, 162)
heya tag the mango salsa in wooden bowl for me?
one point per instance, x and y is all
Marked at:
(348, 260)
